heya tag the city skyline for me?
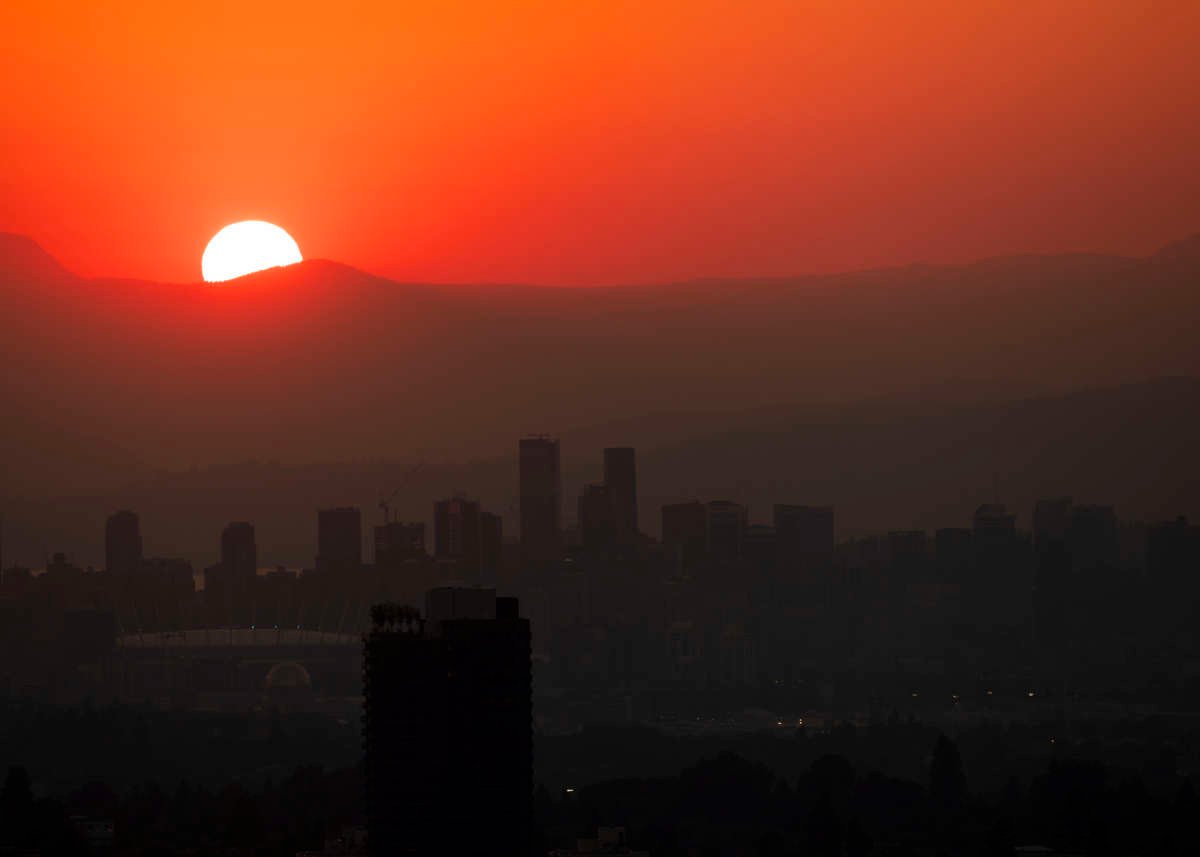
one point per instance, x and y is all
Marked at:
(678, 429)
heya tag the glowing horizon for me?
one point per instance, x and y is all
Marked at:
(600, 143)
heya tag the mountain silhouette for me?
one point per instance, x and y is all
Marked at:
(323, 362)
(23, 260)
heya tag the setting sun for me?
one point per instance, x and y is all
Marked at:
(245, 247)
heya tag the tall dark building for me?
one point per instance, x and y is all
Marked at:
(447, 727)
(684, 532)
(1050, 520)
(239, 551)
(804, 535)
(457, 536)
(908, 556)
(620, 478)
(229, 585)
(999, 590)
(397, 542)
(955, 553)
(541, 503)
(339, 539)
(1092, 537)
(725, 525)
(123, 543)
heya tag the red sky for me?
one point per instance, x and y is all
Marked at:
(580, 142)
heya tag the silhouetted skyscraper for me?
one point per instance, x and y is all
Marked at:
(228, 585)
(999, 589)
(397, 542)
(1092, 537)
(239, 551)
(447, 727)
(725, 525)
(456, 533)
(993, 527)
(541, 504)
(955, 553)
(123, 543)
(684, 532)
(804, 535)
(620, 478)
(339, 539)
(1050, 520)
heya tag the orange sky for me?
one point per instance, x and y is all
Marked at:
(580, 142)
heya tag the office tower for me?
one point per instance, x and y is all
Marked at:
(339, 539)
(397, 542)
(239, 552)
(620, 478)
(541, 490)
(804, 535)
(1092, 537)
(993, 524)
(1050, 520)
(228, 585)
(1052, 597)
(908, 555)
(759, 546)
(684, 533)
(597, 527)
(123, 543)
(447, 726)
(999, 590)
(954, 551)
(725, 525)
(456, 533)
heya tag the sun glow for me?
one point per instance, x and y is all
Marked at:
(245, 247)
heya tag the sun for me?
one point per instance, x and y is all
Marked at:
(245, 247)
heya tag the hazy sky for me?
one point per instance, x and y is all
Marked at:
(578, 142)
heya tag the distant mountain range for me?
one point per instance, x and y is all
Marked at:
(903, 395)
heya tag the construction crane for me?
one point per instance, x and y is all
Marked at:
(385, 503)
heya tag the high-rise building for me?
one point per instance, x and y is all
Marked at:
(339, 539)
(228, 585)
(684, 533)
(804, 535)
(759, 546)
(123, 543)
(725, 525)
(1050, 520)
(239, 551)
(541, 505)
(447, 727)
(993, 527)
(955, 553)
(999, 590)
(457, 534)
(397, 542)
(908, 554)
(620, 478)
(1092, 537)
